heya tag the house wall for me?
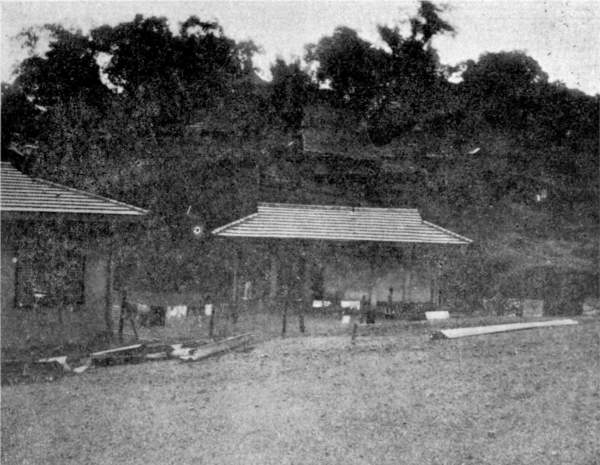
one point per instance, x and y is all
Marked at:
(38, 327)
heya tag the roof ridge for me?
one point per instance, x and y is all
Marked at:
(334, 207)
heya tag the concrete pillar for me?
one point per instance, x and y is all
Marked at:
(97, 276)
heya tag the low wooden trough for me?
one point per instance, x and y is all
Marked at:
(480, 330)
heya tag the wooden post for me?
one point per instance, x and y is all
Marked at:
(234, 283)
(234, 290)
(273, 275)
(211, 322)
(108, 297)
(128, 312)
(432, 270)
(306, 290)
(284, 317)
(408, 275)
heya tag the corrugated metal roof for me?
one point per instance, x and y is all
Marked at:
(336, 223)
(20, 193)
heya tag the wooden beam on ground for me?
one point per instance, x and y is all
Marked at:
(130, 348)
(119, 355)
(226, 345)
(480, 330)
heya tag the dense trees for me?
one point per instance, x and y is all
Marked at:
(291, 90)
(169, 120)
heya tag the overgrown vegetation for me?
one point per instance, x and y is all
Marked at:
(179, 122)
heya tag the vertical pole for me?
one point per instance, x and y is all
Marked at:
(306, 290)
(211, 322)
(273, 275)
(408, 277)
(234, 290)
(109, 279)
(234, 283)
(284, 317)
(432, 281)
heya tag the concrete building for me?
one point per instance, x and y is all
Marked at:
(56, 260)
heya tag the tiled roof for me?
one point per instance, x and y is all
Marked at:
(20, 193)
(336, 223)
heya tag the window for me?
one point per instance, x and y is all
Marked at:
(47, 277)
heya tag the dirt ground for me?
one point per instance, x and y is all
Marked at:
(529, 397)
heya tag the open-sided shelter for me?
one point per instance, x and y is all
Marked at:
(56, 260)
(343, 253)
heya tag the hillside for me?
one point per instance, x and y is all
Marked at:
(504, 157)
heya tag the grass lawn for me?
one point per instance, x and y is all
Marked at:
(528, 397)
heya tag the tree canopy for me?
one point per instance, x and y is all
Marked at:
(176, 118)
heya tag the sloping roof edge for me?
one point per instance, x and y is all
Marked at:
(233, 223)
(28, 195)
(447, 231)
(140, 211)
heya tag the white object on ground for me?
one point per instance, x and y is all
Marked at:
(478, 330)
(208, 309)
(62, 361)
(180, 351)
(354, 304)
(321, 303)
(346, 319)
(437, 315)
(142, 308)
(82, 368)
(176, 311)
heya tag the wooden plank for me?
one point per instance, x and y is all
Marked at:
(480, 330)
(117, 350)
(217, 348)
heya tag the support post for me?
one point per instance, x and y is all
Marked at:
(211, 322)
(284, 317)
(108, 296)
(306, 291)
(235, 284)
(273, 275)
(408, 275)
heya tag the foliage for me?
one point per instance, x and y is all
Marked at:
(291, 90)
(179, 72)
(178, 122)
(350, 64)
(68, 69)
